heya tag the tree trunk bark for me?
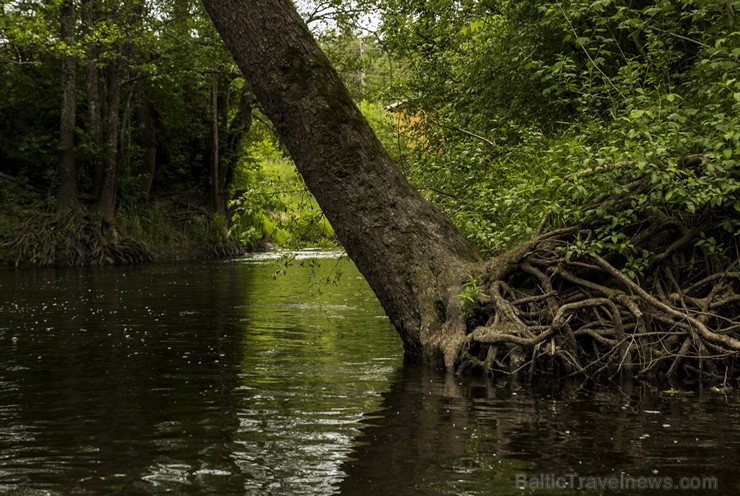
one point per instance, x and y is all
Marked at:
(94, 103)
(67, 193)
(224, 109)
(214, 181)
(238, 128)
(149, 143)
(411, 255)
(107, 202)
(95, 113)
(123, 157)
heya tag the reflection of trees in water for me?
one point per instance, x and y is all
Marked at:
(99, 411)
(438, 434)
(127, 386)
(415, 431)
(311, 370)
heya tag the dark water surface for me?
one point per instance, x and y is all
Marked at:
(216, 379)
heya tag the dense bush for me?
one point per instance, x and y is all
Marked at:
(514, 97)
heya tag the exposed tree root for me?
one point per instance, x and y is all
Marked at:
(554, 312)
(225, 247)
(73, 240)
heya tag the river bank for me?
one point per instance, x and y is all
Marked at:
(167, 228)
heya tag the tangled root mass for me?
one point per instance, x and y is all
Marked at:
(556, 313)
(73, 240)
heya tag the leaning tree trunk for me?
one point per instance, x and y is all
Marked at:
(411, 255)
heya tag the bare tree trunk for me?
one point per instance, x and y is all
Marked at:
(149, 143)
(238, 128)
(123, 157)
(67, 193)
(94, 102)
(107, 203)
(95, 114)
(412, 256)
(214, 182)
(224, 108)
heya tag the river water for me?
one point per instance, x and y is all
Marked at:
(232, 378)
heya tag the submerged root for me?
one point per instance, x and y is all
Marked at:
(73, 240)
(555, 313)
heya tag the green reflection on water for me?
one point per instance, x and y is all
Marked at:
(314, 362)
(204, 378)
(215, 379)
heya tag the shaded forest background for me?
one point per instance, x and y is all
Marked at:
(127, 133)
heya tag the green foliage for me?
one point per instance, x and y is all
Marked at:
(164, 236)
(389, 129)
(318, 276)
(15, 198)
(170, 58)
(148, 224)
(365, 68)
(273, 204)
(164, 56)
(320, 280)
(495, 108)
(511, 98)
(468, 296)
